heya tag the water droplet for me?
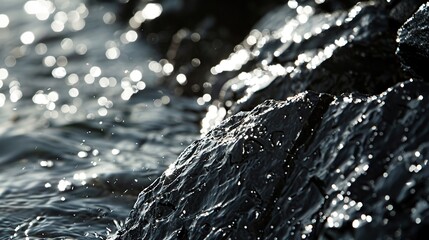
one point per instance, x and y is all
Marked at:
(292, 4)
(277, 138)
(82, 154)
(113, 53)
(95, 71)
(417, 154)
(356, 223)
(4, 20)
(59, 72)
(251, 147)
(64, 185)
(418, 220)
(115, 151)
(47, 163)
(3, 73)
(151, 11)
(27, 37)
(136, 75)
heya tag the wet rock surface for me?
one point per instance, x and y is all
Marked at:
(413, 47)
(330, 167)
(306, 47)
(340, 153)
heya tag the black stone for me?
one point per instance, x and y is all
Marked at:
(413, 48)
(356, 55)
(350, 163)
(313, 166)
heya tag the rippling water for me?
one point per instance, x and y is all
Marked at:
(84, 126)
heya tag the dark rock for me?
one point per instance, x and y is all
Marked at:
(294, 50)
(341, 165)
(401, 10)
(195, 35)
(314, 166)
(413, 48)
(336, 58)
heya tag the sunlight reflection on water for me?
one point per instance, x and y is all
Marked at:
(80, 106)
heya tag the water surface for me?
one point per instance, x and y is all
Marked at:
(84, 126)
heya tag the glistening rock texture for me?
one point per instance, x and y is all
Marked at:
(413, 49)
(316, 166)
(305, 47)
(312, 166)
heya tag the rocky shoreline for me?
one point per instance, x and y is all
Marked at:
(317, 126)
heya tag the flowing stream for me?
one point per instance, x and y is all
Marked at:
(84, 126)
